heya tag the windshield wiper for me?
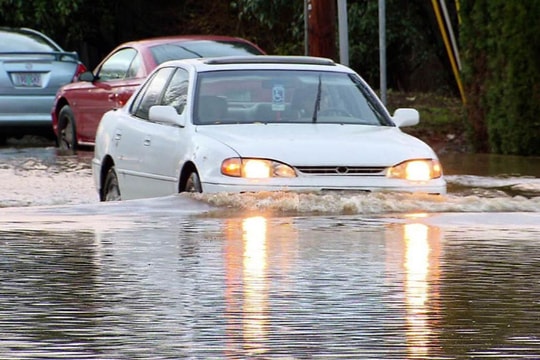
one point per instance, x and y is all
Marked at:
(190, 51)
(317, 101)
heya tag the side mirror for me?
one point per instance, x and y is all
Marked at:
(87, 76)
(406, 117)
(166, 114)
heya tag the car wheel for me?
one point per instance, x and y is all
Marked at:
(67, 139)
(193, 183)
(111, 190)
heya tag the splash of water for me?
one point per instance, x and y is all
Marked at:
(368, 203)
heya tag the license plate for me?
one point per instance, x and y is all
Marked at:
(27, 79)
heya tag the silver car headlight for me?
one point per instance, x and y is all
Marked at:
(416, 170)
(255, 168)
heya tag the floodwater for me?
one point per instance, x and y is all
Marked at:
(269, 276)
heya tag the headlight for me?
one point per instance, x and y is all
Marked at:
(255, 168)
(416, 170)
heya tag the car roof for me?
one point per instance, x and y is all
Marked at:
(285, 62)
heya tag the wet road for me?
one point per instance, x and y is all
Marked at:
(348, 276)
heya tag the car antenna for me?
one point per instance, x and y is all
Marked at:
(317, 101)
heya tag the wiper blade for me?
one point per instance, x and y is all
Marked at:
(317, 102)
(190, 51)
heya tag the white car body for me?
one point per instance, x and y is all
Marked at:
(152, 156)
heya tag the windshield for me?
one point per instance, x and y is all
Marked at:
(201, 48)
(278, 96)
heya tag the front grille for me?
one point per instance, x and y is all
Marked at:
(342, 170)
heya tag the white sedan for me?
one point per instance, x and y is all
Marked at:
(258, 123)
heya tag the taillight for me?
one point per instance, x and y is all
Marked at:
(80, 69)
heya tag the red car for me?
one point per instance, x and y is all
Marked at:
(78, 107)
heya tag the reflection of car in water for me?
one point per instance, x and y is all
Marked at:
(236, 124)
(79, 107)
(32, 68)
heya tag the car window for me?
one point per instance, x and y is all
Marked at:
(176, 93)
(150, 93)
(134, 67)
(295, 96)
(201, 48)
(20, 41)
(117, 65)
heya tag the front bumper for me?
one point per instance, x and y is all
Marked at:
(345, 183)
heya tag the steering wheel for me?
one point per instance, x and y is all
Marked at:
(335, 111)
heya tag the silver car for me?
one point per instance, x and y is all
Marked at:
(32, 68)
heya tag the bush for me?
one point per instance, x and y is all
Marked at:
(501, 51)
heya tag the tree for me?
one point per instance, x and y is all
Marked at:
(52, 18)
(501, 61)
(277, 26)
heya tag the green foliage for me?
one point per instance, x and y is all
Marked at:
(502, 75)
(278, 24)
(410, 40)
(43, 15)
(363, 21)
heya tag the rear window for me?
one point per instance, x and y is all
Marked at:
(202, 48)
(19, 41)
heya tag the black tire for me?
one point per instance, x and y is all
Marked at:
(67, 134)
(193, 183)
(110, 190)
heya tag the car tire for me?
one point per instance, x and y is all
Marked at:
(193, 183)
(111, 190)
(67, 134)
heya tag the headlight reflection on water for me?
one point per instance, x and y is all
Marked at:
(419, 261)
(416, 263)
(414, 248)
(255, 282)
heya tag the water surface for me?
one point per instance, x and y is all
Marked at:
(267, 276)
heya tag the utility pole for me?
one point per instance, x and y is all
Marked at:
(382, 49)
(322, 28)
(343, 25)
(307, 10)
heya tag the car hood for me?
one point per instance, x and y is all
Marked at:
(319, 144)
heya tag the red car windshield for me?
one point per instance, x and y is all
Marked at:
(201, 48)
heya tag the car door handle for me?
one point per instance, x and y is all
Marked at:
(117, 136)
(147, 141)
